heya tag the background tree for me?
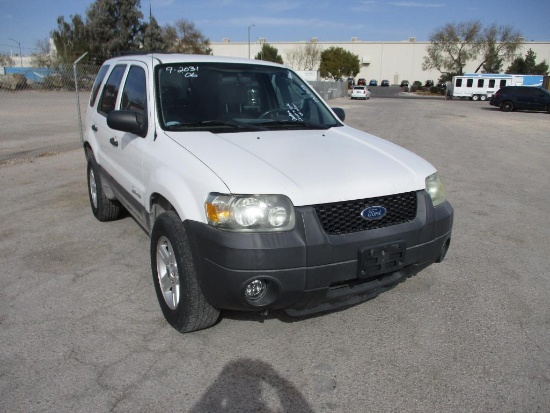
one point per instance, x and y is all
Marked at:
(70, 39)
(43, 57)
(337, 63)
(269, 53)
(493, 62)
(306, 57)
(114, 26)
(499, 43)
(528, 65)
(6, 60)
(153, 39)
(184, 37)
(453, 46)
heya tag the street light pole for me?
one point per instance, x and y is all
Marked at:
(20, 57)
(249, 27)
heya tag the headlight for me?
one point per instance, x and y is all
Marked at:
(436, 189)
(250, 213)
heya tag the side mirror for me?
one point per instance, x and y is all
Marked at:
(128, 121)
(340, 113)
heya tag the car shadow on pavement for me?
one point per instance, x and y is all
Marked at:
(247, 385)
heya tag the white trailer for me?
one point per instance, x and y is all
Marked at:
(482, 86)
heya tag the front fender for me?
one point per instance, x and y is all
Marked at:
(186, 190)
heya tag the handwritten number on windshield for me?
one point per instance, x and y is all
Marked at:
(187, 71)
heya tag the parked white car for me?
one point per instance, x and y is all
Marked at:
(360, 92)
(254, 192)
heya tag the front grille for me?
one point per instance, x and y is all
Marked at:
(345, 217)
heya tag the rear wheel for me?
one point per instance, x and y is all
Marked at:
(103, 208)
(475, 97)
(483, 97)
(506, 106)
(174, 275)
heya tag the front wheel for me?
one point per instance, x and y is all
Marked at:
(507, 106)
(174, 275)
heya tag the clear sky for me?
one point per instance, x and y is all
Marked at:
(28, 21)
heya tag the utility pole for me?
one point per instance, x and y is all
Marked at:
(249, 27)
(19, 44)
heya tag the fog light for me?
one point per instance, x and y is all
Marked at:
(255, 290)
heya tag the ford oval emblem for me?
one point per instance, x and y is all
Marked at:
(373, 213)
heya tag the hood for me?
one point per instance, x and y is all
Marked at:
(310, 166)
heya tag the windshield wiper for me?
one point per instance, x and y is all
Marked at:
(215, 124)
(298, 123)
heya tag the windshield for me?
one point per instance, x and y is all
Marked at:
(236, 97)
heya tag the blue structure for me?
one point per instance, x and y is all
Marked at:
(33, 74)
(528, 80)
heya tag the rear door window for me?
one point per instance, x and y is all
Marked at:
(97, 83)
(523, 92)
(110, 90)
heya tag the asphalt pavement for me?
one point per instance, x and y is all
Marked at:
(81, 329)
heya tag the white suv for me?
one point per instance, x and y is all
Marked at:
(255, 194)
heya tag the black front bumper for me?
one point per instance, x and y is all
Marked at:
(308, 271)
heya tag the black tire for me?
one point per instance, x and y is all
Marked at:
(103, 208)
(548, 108)
(174, 275)
(507, 106)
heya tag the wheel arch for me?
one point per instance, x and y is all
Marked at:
(170, 191)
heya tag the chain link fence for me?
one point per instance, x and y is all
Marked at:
(39, 110)
(39, 107)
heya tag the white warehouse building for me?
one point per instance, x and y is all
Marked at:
(394, 61)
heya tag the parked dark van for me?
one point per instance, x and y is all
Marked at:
(510, 98)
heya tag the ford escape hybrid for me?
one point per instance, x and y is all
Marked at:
(254, 192)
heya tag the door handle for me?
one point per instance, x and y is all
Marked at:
(94, 128)
(113, 141)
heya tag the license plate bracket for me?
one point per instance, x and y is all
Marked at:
(381, 259)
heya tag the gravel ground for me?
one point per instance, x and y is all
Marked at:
(81, 330)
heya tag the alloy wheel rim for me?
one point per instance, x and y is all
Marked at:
(93, 188)
(167, 273)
